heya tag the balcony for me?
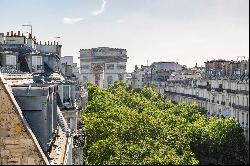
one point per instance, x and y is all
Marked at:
(230, 91)
(240, 107)
(218, 89)
(201, 98)
(244, 92)
(202, 87)
(10, 69)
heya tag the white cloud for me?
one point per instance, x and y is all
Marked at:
(100, 11)
(67, 20)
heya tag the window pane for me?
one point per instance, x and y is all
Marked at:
(66, 94)
(34, 63)
(8, 59)
(39, 60)
(13, 60)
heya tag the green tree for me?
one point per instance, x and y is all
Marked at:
(128, 126)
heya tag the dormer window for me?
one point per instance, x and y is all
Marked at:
(37, 63)
(11, 60)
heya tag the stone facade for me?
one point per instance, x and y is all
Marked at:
(221, 98)
(102, 66)
(18, 145)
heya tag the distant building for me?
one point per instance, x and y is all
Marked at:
(138, 77)
(103, 65)
(67, 67)
(128, 79)
(227, 69)
(223, 91)
(154, 74)
(161, 71)
(221, 87)
(188, 73)
(167, 66)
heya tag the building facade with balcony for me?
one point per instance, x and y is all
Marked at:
(221, 96)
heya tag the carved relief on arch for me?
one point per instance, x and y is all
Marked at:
(97, 67)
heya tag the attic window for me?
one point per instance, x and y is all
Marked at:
(10, 60)
(37, 63)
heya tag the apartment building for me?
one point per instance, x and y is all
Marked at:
(42, 100)
(221, 95)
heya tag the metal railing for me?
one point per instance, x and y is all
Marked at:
(9, 69)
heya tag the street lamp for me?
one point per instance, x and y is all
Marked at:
(28, 25)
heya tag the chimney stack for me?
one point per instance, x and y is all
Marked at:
(22, 34)
(18, 33)
(48, 42)
(8, 34)
(45, 43)
(11, 33)
(15, 34)
(40, 43)
(30, 37)
(54, 43)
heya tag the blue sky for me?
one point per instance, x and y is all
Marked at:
(187, 31)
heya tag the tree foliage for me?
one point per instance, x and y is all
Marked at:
(128, 126)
